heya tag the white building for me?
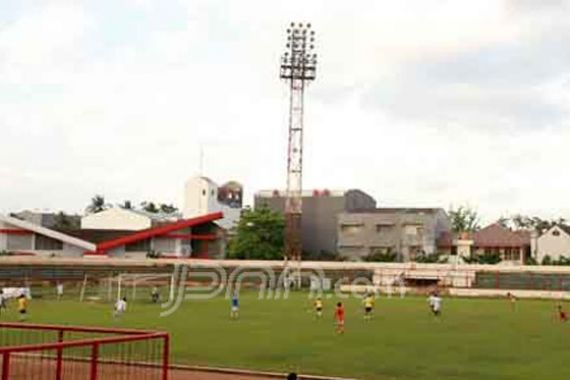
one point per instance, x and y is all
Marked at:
(201, 197)
(22, 237)
(554, 243)
(118, 218)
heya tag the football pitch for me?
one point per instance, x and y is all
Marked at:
(474, 338)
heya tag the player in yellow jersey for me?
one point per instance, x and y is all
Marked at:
(23, 307)
(319, 307)
(368, 306)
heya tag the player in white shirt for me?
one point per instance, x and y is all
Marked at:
(120, 307)
(2, 301)
(59, 290)
(434, 301)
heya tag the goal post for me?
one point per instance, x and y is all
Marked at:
(137, 286)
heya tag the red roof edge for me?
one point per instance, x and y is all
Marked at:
(160, 230)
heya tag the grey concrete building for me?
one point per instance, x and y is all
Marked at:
(46, 219)
(407, 232)
(320, 211)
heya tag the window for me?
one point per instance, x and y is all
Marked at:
(138, 246)
(204, 192)
(384, 228)
(44, 243)
(512, 254)
(412, 229)
(556, 233)
(351, 229)
(380, 250)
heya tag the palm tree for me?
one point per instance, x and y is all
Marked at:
(168, 208)
(149, 207)
(127, 205)
(64, 222)
(97, 204)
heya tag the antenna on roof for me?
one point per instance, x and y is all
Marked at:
(201, 169)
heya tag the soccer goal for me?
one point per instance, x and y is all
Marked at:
(134, 286)
(34, 351)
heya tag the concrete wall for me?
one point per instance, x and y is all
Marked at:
(164, 245)
(554, 243)
(118, 252)
(116, 219)
(20, 242)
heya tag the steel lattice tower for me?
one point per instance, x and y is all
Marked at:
(298, 66)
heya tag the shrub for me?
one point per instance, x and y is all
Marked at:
(153, 254)
(382, 257)
(432, 258)
(486, 258)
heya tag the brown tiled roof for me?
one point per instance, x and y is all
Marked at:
(498, 236)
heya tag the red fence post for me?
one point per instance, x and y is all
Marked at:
(94, 360)
(59, 360)
(6, 366)
(165, 356)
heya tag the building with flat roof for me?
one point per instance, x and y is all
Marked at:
(320, 211)
(405, 232)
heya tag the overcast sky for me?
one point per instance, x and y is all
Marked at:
(419, 103)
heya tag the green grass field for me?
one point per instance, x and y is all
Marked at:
(474, 339)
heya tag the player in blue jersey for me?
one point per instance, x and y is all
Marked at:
(234, 313)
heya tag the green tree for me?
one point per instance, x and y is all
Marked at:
(127, 205)
(258, 236)
(464, 219)
(62, 221)
(504, 222)
(97, 204)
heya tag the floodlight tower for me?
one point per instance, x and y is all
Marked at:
(298, 66)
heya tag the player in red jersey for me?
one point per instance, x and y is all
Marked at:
(562, 315)
(339, 317)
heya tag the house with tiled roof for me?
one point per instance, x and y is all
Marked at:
(512, 246)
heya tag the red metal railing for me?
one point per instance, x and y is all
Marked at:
(52, 359)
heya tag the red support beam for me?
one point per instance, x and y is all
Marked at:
(13, 231)
(158, 231)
